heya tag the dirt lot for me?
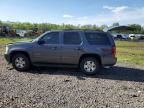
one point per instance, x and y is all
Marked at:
(119, 87)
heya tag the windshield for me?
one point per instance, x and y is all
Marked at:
(36, 39)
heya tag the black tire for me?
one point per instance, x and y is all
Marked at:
(92, 59)
(25, 67)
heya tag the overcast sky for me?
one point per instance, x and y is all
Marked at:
(73, 11)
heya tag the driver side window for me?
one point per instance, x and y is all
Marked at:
(51, 38)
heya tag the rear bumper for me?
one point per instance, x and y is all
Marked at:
(109, 61)
(7, 57)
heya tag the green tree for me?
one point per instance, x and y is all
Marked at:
(48, 26)
(1, 23)
(102, 27)
(137, 28)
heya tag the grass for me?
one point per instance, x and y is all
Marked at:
(127, 52)
(130, 44)
(130, 52)
(4, 41)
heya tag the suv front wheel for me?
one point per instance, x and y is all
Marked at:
(90, 66)
(21, 62)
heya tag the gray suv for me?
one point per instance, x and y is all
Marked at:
(87, 49)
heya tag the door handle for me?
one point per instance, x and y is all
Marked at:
(53, 48)
(78, 48)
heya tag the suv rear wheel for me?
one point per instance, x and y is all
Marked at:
(90, 66)
(21, 62)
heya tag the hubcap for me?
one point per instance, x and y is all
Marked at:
(20, 62)
(90, 66)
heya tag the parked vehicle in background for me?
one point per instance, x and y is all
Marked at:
(22, 33)
(136, 36)
(132, 36)
(89, 50)
(118, 36)
(142, 37)
(4, 30)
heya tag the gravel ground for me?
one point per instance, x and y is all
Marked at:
(118, 87)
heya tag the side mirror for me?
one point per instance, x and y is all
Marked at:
(40, 42)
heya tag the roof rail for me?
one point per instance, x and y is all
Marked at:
(82, 30)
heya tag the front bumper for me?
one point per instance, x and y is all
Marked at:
(7, 57)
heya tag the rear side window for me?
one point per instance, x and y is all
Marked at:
(72, 38)
(97, 38)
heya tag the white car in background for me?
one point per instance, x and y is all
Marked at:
(136, 36)
(21, 33)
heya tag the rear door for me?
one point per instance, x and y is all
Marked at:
(71, 47)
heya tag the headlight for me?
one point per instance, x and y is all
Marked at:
(6, 50)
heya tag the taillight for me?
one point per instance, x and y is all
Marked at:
(114, 51)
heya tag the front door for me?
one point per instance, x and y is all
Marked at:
(50, 50)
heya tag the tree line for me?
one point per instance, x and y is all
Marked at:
(48, 26)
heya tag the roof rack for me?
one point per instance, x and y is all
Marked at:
(82, 30)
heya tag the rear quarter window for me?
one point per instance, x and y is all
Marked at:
(97, 38)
